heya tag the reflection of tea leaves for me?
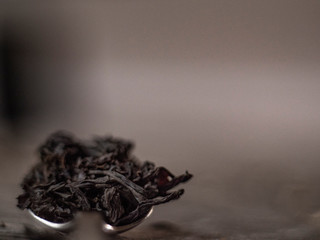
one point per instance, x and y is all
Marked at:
(167, 230)
(41, 234)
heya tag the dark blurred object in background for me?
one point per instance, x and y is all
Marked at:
(14, 101)
(37, 69)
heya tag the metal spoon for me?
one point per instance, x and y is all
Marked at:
(107, 228)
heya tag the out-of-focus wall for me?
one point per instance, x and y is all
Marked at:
(228, 89)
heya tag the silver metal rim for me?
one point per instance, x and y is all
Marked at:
(105, 226)
(57, 226)
(118, 229)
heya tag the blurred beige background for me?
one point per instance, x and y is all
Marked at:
(226, 89)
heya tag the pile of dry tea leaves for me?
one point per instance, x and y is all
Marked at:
(100, 175)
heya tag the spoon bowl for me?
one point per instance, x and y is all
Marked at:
(107, 228)
(57, 226)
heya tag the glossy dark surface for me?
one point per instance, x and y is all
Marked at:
(206, 211)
